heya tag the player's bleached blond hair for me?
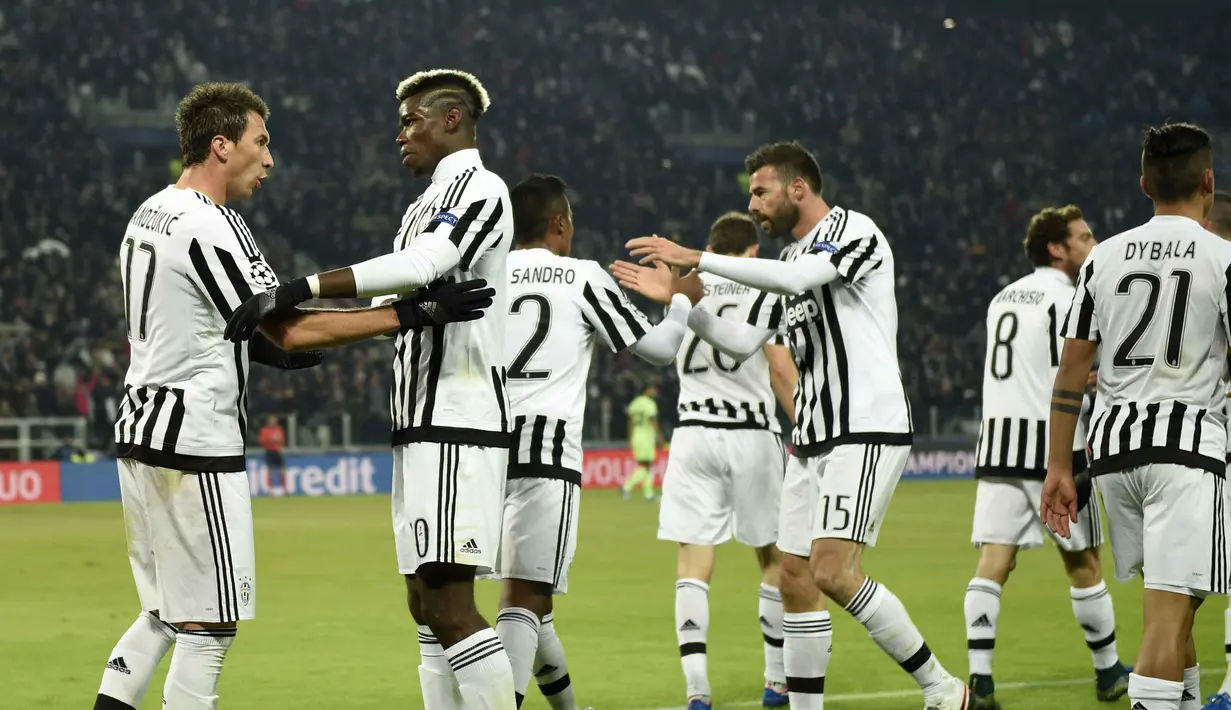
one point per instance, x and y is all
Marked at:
(450, 83)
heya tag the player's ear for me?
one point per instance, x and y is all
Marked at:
(453, 118)
(220, 147)
(1207, 181)
(1144, 188)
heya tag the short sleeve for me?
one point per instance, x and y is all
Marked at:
(474, 225)
(855, 251)
(607, 309)
(1081, 323)
(225, 262)
(766, 312)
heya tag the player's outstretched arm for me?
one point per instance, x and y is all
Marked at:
(730, 337)
(783, 278)
(1059, 504)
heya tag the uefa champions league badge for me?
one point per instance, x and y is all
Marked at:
(262, 274)
(245, 590)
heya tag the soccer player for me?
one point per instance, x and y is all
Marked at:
(645, 437)
(1023, 351)
(272, 438)
(186, 261)
(450, 413)
(558, 308)
(1155, 297)
(1219, 222)
(852, 420)
(724, 475)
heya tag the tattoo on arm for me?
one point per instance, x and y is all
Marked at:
(1065, 408)
(1067, 395)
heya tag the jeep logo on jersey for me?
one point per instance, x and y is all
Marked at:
(262, 274)
(801, 309)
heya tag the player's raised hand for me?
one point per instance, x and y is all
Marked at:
(653, 282)
(273, 303)
(1059, 505)
(444, 302)
(656, 248)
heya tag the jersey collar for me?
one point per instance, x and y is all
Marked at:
(454, 164)
(1055, 273)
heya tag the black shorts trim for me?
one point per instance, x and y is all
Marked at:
(452, 435)
(755, 426)
(1079, 465)
(544, 470)
(1158, 454)
(181, 462)
(878, 437)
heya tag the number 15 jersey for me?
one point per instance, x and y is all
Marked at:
(1156, 297)
(1023, 354)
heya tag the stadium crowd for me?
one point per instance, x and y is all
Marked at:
(948, 133)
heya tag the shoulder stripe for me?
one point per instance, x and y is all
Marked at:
(240, 230)
(489, 224)
(613, 333)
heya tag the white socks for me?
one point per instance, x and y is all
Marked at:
(769, 611)
(982, 608)
(1190, 699)
(807, 646)
(887, 622)
(518, 630)
(1094, 611)
(435, 676)
(1226, 681)
(196, 665)
(692, 622)
(132, 663)
(551, 669)
(1147, 693)
(482, 671)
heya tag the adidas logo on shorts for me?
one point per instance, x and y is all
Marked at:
(471, 547)
(981, 622)
(689, 625)
(118, 664)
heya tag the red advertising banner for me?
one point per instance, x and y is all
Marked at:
(29, 482)
(609, 468)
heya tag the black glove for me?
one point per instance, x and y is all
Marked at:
(277, 301)
(1085, 488)
(444, 302)
(266, 353)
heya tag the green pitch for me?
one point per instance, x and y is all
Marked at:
(333, 631)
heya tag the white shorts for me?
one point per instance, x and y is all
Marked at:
(842, 493)
(540, 531)
(722, 482)
(1007, 513)
(447, 504)
(1168, 523)
(190, 542)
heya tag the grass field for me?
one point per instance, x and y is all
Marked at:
(333, 631)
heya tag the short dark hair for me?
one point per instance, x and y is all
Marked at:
(1174, 158)
(1220, 214)
(732, 233)
(791, 160)
(1049, 226)
(214, 109)
(535, 201)
(450, 87)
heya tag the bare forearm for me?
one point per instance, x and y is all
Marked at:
(782, 377)
(313, 330)
(1066, 400)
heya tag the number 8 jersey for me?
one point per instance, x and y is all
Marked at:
(1156, 298)
(1023, 353)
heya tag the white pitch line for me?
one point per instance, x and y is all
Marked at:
(880, 695)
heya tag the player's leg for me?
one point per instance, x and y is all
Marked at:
(551, 668)
(696, 514)
(856, 485)
(448, 507)
(1222, 699)
(807, 634)
(207, 577)
(537, 548)
(1005, 521)
(132, 662)
(757, 462)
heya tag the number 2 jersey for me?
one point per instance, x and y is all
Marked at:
(1156, 298)
(186, 264)
(715, 390)
(1023, 354)
(557, 306)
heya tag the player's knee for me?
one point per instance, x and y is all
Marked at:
(833, 567)
(1083, 568)
(795, 582)
(413, 601)
(525, 594)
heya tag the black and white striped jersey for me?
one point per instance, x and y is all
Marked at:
(186, 263)
(1156, 298)
(716, 390)
(557, 307)
(1019, 369)
(448, 380)
(844, 339)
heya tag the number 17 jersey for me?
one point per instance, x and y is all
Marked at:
(1023, 353)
